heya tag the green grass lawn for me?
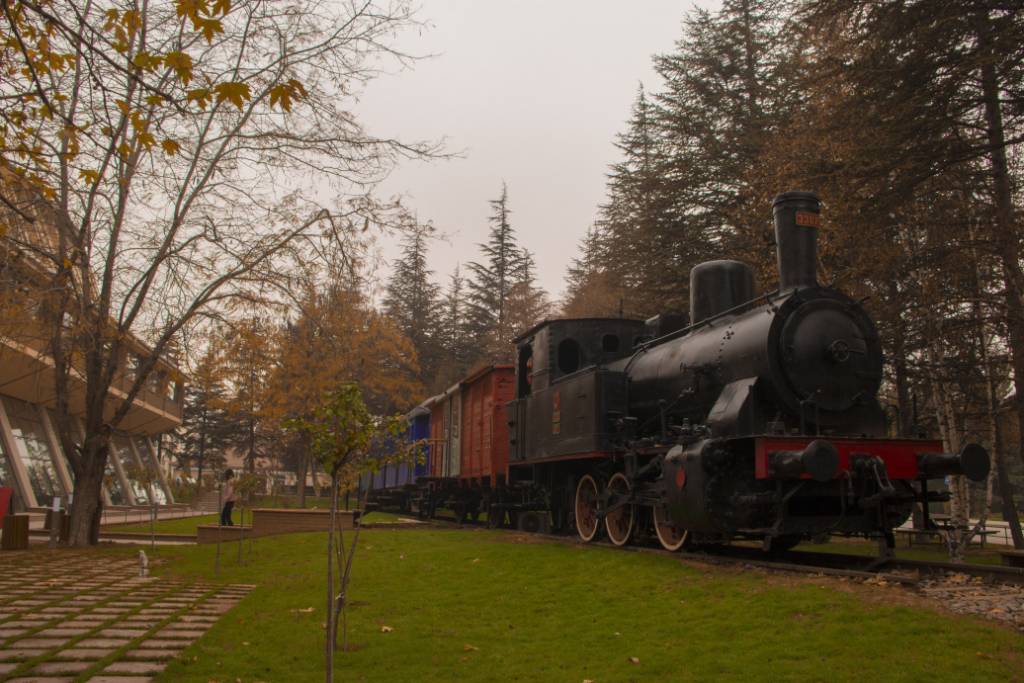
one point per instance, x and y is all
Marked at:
(478, 605)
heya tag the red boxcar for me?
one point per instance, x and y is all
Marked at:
(484, 443)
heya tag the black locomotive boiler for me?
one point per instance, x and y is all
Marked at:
(756, 418)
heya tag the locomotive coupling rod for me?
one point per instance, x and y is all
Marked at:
(972, 461)
(820, 460)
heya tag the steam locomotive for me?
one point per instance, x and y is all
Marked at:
(756, 418)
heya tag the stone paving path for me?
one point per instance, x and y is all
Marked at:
(75, 616)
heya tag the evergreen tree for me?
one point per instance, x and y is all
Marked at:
(676, 197)
(590, 289)
(487, 295)
(412, 300)
(454, 336)
(528, 304)
(204, 422)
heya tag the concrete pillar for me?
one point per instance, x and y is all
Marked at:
(146, 447)
(122, 476)
(143, 463)
(60, 463)
(18, 470)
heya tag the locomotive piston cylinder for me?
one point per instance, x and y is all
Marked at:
(797, 219)
(819, 460)
(972, 461)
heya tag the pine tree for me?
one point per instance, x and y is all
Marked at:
(454, 336)
(488, 290)
(204, 420)
(412, 300)
(590, 289)
(528, 304)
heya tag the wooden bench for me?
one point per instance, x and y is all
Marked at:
(1012, 558)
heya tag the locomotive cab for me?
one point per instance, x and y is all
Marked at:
(565, 390)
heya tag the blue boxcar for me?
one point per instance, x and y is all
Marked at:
(397, 475)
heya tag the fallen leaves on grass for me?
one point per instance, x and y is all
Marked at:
(303, 610)
(386, 629)
(634, 660)
(470, 648)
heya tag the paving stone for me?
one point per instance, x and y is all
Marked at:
(120, 679)
(42, 679)
(122, 632)
(7, 668)
(62, 668)
(110, 610)
(42, 643)
(188, 625)
(12, 632)
(135, 668)
(198, 618)
(163, 644)
(213, 609)
(26, 623)
(168, 633)
(78, 623)
(151, 654)
(14, 654)
(103, 642)
(62, 631)
(84, 653)
(59, 611)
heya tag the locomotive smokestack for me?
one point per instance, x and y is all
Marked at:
(797, 219)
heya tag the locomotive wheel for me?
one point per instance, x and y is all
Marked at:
(619, 523)
(671, 538)
(586, 508)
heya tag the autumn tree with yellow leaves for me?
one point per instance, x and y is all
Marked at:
(161, 160)
(337, 337)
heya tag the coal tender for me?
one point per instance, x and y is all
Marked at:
(756, 418)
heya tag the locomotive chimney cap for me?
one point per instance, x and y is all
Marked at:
(808, 200)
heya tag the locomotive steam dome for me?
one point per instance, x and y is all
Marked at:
(830, 354)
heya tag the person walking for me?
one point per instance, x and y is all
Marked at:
(228, 496)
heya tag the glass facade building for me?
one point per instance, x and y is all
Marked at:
(34, 465)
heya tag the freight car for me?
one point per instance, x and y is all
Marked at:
(394, 485)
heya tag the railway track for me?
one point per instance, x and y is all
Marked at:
(894, 570)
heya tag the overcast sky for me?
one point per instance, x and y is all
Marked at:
(532, 93)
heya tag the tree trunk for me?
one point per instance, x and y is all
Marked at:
(332, 624)
(300, 486)
(958, 534)
(84, 522)
(1006, 234)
